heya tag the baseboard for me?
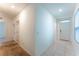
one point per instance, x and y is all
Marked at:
(23, 48)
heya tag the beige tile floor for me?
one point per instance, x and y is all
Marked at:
(64, 48)
(60, 48)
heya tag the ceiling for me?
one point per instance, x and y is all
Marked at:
(7, 9)
(67, 9)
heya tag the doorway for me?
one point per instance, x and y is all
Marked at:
(64, 30)
(16, 30)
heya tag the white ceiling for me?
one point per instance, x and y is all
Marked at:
(68, 9)
(11, 12)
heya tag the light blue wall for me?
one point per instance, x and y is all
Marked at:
(44, 30)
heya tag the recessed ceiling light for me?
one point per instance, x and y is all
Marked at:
(60, 10)
(12, 6)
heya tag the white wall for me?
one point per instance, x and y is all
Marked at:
(45, 30)
(27, 29)
(36, 40)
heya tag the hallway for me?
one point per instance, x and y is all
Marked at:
(37, 29)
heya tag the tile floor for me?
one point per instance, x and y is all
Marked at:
(60, 48)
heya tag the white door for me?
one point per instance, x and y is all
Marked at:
(64, 30)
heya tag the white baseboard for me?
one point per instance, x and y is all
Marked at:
(23, 48)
